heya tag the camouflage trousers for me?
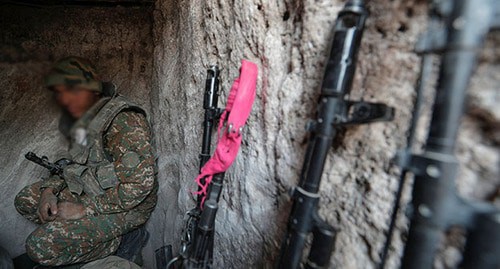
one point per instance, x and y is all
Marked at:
(62, 242)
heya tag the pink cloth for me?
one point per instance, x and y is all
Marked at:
(238, 107)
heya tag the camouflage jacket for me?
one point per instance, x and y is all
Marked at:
(114, 168)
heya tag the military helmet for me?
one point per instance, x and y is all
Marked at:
(74, 71)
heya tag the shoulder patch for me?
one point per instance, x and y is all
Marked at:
(130, 159)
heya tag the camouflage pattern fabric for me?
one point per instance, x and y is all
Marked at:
(119, 210)
(74, 71)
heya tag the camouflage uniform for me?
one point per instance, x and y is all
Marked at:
(113, 177)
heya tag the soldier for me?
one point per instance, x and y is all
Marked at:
(108, 191)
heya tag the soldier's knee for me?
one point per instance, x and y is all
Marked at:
(20, 201)
(25, 199)
(38, 247)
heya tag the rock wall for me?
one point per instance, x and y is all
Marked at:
(159, 58)
(288, 40)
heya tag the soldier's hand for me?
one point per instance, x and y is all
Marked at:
(70, 211)
(47, 207)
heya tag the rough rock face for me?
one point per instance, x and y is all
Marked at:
(289, 42)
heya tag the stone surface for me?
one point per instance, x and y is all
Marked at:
(288, 40)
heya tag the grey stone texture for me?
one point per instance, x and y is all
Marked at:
(158, 57)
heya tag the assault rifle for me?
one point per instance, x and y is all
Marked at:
(202, 222)
(56, 168)
(456, 32)
(198, 234)
(334, 112)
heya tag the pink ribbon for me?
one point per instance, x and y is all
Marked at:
(238, 107)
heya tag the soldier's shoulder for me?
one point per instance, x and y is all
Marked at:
(130, 118)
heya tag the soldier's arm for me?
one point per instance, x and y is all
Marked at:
(55, 182)
(128, 141)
